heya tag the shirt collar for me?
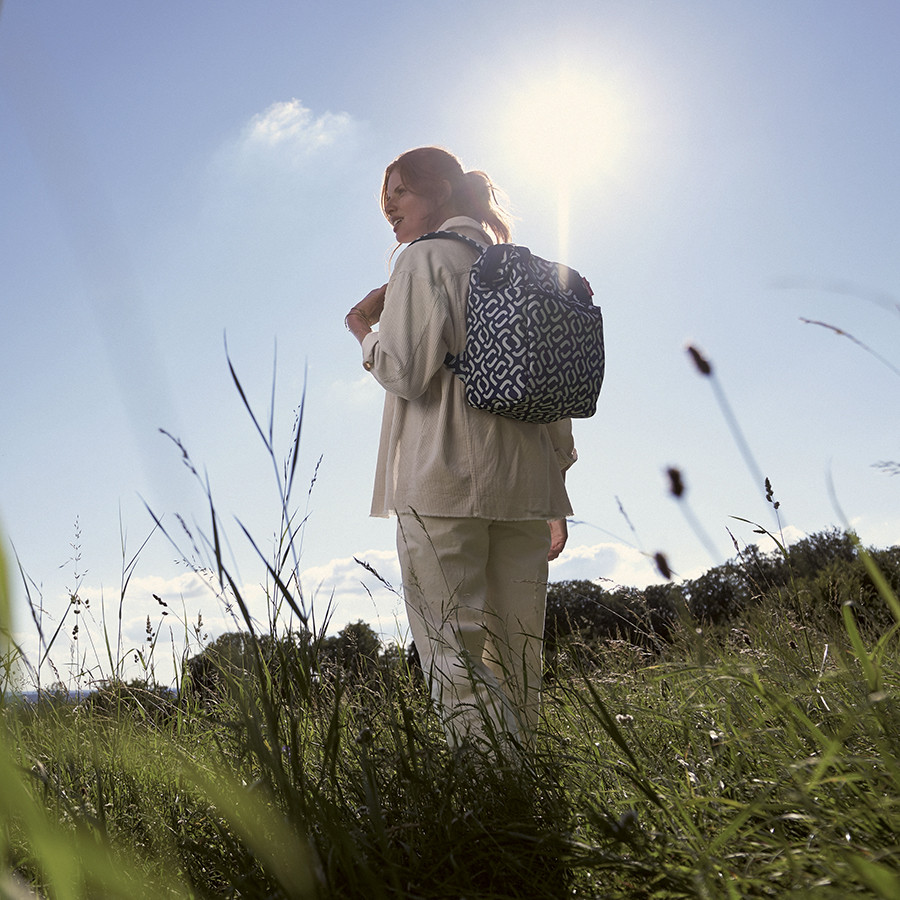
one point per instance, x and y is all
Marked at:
(459, 222)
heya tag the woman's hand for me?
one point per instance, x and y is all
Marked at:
(366, 313)
(372, 305)
(559, 534)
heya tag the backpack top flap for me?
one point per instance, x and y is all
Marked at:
(494, 258)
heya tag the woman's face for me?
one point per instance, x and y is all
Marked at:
(411, 215)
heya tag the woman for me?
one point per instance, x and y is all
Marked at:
(473, 492)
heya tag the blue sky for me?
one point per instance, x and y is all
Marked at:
(175, 174)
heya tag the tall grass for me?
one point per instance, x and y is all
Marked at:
(756, 759)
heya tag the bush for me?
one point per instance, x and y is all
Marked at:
(814, 577)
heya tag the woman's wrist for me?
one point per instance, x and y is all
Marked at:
(358, 312)
(358, 324)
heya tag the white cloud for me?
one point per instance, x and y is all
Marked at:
(612, 563)
(187, 585)
(363, 391)
(369, 589)
(289, 133)
(290, 122)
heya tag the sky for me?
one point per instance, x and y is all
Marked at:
(191, 188)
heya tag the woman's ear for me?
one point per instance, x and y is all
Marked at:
(445, 194)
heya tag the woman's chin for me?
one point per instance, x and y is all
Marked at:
(408, 235)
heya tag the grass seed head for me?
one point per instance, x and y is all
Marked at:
(676, 482)
(662, 565)
(700, 361)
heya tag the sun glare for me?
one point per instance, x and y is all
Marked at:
(570, 124)
(569, 130)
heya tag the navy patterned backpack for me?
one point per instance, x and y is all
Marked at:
(534, 339)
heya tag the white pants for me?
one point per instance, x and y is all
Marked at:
(475, 592)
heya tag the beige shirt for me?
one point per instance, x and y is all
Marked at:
(438, 455)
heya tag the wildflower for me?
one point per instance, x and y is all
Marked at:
(624, 719)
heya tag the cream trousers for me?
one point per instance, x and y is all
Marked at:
(475, 592)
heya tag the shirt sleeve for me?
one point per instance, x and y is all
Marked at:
(410, 344)
(563, 443)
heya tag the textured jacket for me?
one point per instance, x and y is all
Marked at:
(437, 455)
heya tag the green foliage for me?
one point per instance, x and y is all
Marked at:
(812, 579)
(752, 762)
(145, 701)
(353, 653)
(298, 663)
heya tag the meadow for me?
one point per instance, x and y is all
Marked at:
(688, 749)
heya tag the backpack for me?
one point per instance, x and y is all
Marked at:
(534, 339)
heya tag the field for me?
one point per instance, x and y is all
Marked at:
(756, 757)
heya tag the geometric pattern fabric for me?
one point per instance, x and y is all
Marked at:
(534, 346)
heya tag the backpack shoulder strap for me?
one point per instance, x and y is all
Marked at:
(452, 234)
(453, 362)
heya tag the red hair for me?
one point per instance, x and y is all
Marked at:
(425, 170)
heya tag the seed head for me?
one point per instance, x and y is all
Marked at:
(700, 361)
(676, 482)
(662, 565)
(770, 495)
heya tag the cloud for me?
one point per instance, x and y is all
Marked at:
(291, 123)
(361, 392)
(365, 586)
(188, 586)
(290, 134)
(611, 563)
(343, 590)
(265, 181)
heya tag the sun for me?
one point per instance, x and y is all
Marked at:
(570, 130)
(570, 122)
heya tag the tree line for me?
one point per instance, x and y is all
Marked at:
(813, 577)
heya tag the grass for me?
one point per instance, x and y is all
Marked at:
(732, 765)
(759, 758)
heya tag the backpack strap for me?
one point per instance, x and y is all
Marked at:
(452, 362)
(451, 234)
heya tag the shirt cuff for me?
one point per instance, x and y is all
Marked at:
(369, 342)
